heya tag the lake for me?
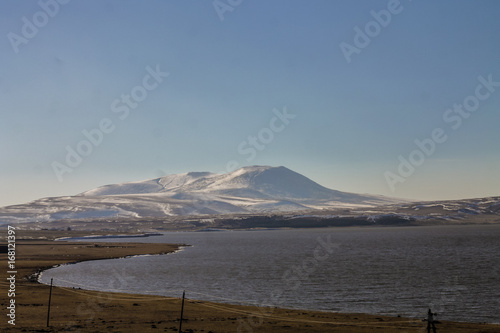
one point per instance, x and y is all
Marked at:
(454, 270)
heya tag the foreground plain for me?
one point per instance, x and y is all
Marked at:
(77, 310)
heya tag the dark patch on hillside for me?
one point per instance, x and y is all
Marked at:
(308, 222)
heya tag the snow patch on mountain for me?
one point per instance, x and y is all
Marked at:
(254, 189)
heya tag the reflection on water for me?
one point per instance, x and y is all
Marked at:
(397, 271)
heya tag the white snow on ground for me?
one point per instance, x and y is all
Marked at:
(254, 189)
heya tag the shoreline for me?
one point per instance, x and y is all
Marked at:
(89, 310)
(35, 277)
(109, 236)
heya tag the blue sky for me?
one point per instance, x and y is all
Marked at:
(349, 122)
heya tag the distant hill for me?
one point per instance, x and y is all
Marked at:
(253, 189)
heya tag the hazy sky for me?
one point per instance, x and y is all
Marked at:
(98, 92)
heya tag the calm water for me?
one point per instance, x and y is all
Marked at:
(453, 270)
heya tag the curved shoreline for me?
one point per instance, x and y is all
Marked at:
(35, 277)
(98, 311)
(222, 302)
(107, 237)
(70, 277)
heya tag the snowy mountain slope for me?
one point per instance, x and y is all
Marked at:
(164, 184)
(255, 181)
(254, 189)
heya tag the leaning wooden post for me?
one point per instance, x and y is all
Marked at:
(182, 311)
(50, 296)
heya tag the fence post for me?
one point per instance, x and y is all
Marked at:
(50, 297)
(182, 311)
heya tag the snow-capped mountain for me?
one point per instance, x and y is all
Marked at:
(255, 181)
(255, 189)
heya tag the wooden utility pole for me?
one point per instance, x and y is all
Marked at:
(50, 297)
(182, 311)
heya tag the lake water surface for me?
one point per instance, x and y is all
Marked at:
(454, 270)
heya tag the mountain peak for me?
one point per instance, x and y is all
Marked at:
(260, 181)
(250, 189)
(282, 182)
(252, 169)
